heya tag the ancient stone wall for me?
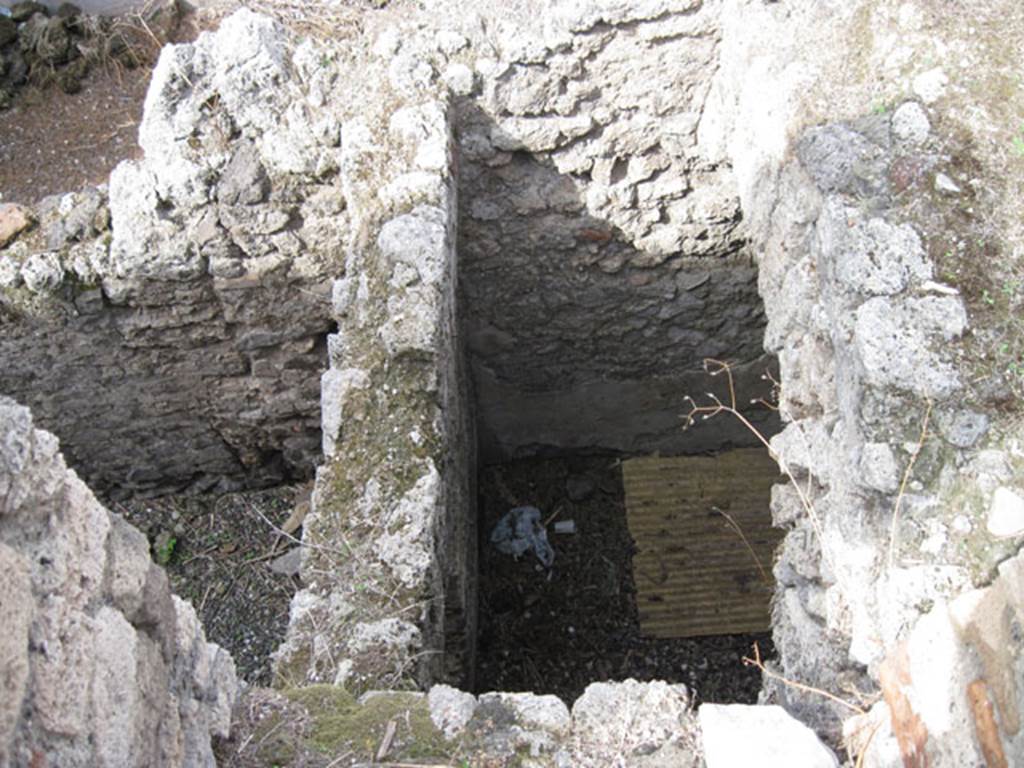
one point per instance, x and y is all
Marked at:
(101, 664)
(172, 330)
(602, 252)
(390, 565)
(590, 175)
(905, 472)
(881, 442)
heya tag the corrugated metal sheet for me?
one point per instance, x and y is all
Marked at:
(694, 573)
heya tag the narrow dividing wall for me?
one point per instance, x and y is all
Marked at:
(389, 566)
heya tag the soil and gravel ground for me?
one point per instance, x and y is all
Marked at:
(557, 631)
(217, 551)
(53, 142)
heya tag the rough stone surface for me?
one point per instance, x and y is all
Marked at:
(738, 734)
(1006, 515)
(102, 666)
(628, 720)
(602, 253)
(195, 299)
(603, 153)
(14, 219)
(397, 436)
(450, 709)
(896, 473)
(910, 123)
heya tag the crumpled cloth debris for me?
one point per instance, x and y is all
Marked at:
(520, 530)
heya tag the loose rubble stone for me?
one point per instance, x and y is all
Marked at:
(1006, 515)
(451, 709)
(910, 123)
(738, 734)
(14, 219)
(288, 563)
(962, 428)
(42, 272)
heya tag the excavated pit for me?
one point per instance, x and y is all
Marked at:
(582, 347)
(558, 630)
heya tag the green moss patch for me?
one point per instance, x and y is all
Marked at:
(338, 723)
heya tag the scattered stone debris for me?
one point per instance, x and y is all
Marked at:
(14, 219)
(41, 48)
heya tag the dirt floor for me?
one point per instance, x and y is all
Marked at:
(556, 631)
(52, 142)
(218, 551)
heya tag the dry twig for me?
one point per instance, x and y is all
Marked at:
(756, 662)
(715, 368)
(905, 480)
(386, 740)
(746, 543)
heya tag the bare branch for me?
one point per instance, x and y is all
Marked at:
(903, 483)
(756, 662)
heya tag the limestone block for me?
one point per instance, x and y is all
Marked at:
(636, 718)
(869, 255)
(62, 674)
(910, 123)
(962, 428)
(244, 180)
(1006, 514)
(418, 239)
(841, 160)
(450, 709)
(459, 78)
(878, 468)
(127, 566)
(767, 736)
(114, 691)
(42, 272)
(407, 546)
(10, 271)
(335, 386)
(412, 325)
(547, 713)
(899, 344)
